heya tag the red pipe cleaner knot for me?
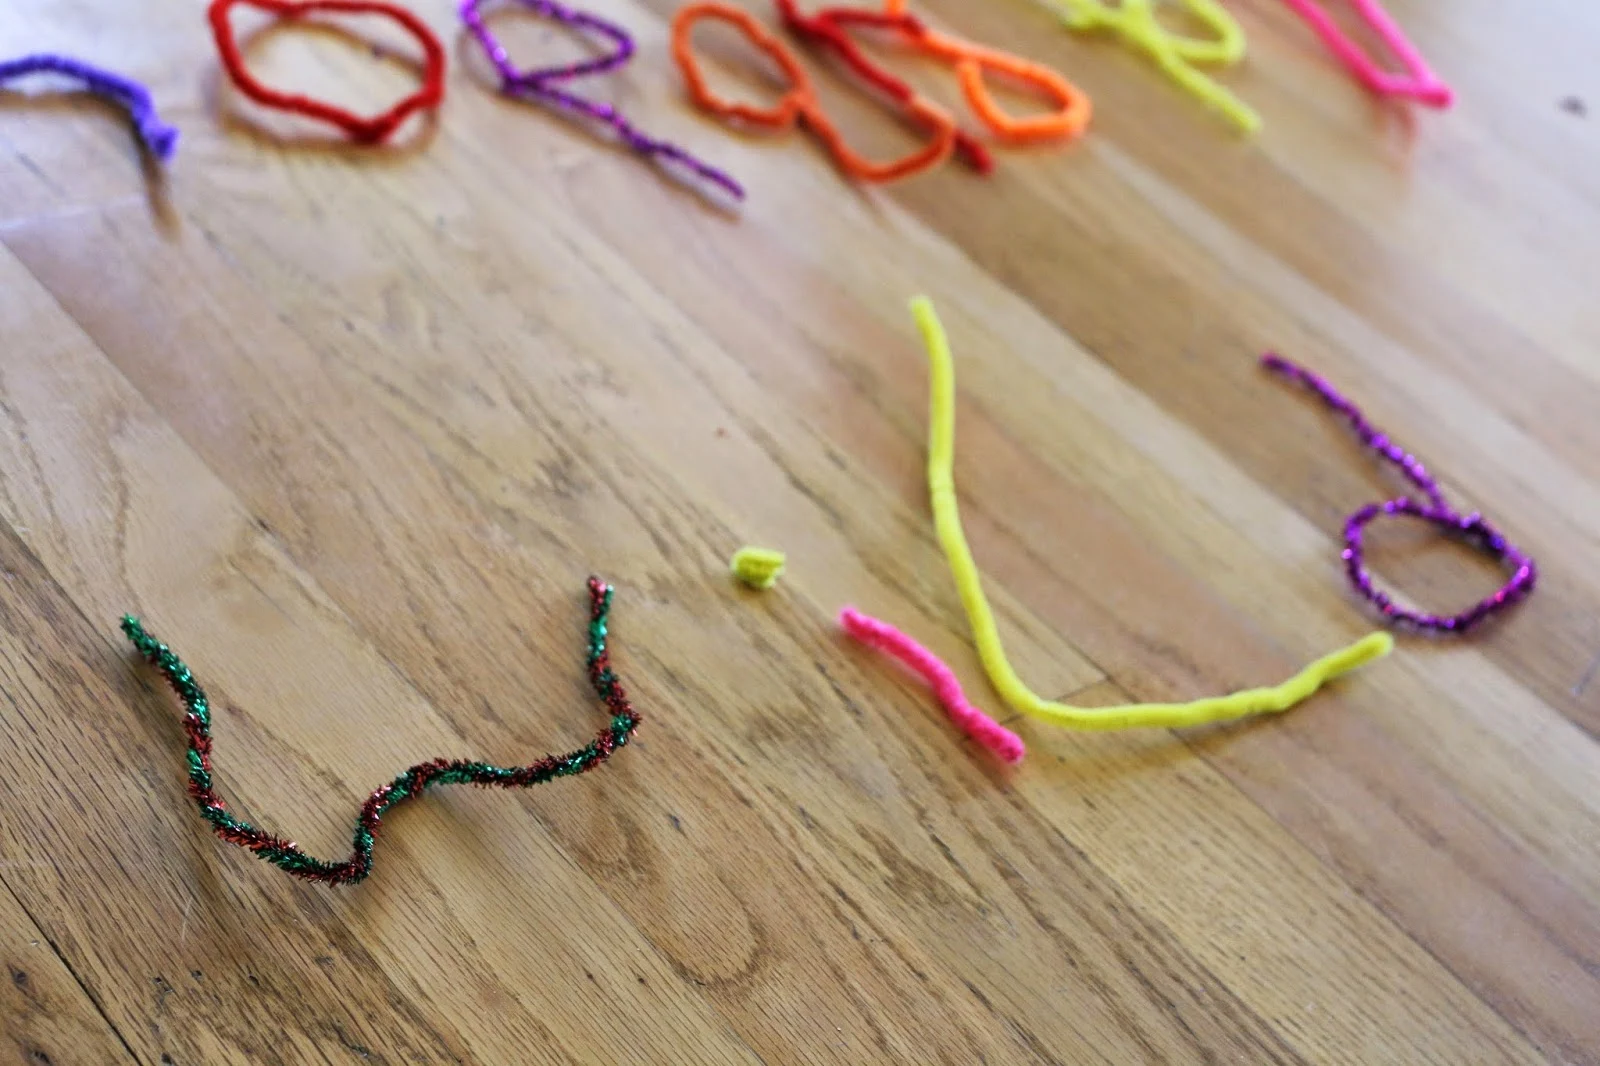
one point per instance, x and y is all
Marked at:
(374, 130)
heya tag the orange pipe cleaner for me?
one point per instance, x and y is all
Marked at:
(971, 61)
(800, 105)
(363, 130)
(826, 28)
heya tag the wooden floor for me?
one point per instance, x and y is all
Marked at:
(350, 428)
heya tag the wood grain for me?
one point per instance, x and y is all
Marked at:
(349, 428)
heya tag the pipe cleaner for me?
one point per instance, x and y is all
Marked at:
(373, 130)
(158, 137)
(828, 27)
(1418, 82)
(1176, 54)
(972, 721)
(947, 523)
(286, 855)
(827, 32)
(799, 105)
(544, 84)
(759, 568)
(1435, 510)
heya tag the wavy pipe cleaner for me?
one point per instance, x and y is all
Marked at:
(160, 138)
(1418, 82)
(286, 855)
(947, 523)
(1176, 54)
(1434, 510)
(543, 84)
(971, 720)
(374, 130)
(799, 105)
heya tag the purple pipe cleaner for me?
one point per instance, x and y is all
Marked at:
(542, 83)
(1434, 510)
(160, 138)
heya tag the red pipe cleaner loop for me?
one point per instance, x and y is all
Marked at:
(800, 105)
(373, 130)
(826, 29)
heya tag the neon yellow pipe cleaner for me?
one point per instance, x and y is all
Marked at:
(947, 523)
(759, 568)
(1136, 23)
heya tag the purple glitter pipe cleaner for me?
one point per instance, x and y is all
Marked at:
(1434, 510)
(542, 84)
(160, 138)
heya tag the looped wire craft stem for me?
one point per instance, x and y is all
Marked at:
(287, 855)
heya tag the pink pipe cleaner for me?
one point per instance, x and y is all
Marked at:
(1419, 81)
(971, 720)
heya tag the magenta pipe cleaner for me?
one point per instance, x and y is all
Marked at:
(160, 138)
(971, 720)
(543, 83)
(1434, 510)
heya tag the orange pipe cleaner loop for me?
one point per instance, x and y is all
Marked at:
(971, 61)
(800, 105)
(826, 28)
(373, 130)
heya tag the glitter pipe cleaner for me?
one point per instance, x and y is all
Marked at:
(160, 138)
(1434, 509)
(542, 84)
(799, 105)
(972, 61)
(286, 855)
(1418, 82)
(1136, 22)
(972, 721)
(947, 523)
(373, 130)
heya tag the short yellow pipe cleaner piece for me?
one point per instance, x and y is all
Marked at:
(947, 522)
(759, 568)
(1136, 23)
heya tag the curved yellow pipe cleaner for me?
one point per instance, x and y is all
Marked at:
(947, 522)
(1136, 22)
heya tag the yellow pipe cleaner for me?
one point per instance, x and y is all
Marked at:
(947, 523)
(759, 568)
(1136, 23)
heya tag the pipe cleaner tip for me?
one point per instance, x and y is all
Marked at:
(1369, 648)
(1009, 749)
(759, 568)
(161, 139)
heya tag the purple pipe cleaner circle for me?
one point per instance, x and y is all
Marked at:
(1473, 528)
(543, 84)
(160, 138)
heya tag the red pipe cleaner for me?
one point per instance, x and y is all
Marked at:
(373, 130)
(827, 30)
